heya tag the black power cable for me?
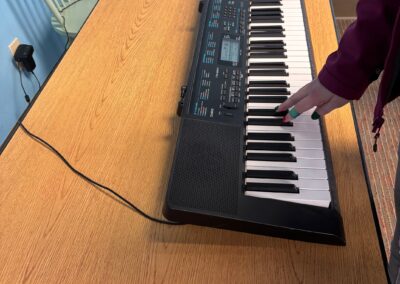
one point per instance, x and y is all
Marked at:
(27, 98)
(37, 79)
(93, 182)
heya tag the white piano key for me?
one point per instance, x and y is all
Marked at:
(320, 198)
(290, 71)
(293, 40)
(283, 5)
(296, 127)
(302, 173)
(299, 144)
(298, 135)
(272, 106)
(291, 89)
(286, 27)
(291, 62)
(299, 164)
(300, 153)
(289, 79)
(310, 184)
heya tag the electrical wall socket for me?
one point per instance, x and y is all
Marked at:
(13, 46)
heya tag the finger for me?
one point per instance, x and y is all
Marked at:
(326, 108)
(302, 106)
(292, 100)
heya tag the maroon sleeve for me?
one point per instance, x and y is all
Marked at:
(362, 50)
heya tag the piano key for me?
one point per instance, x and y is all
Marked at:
(285, 26)
(271, 121)
(268, 83)
(272, 65)
(268, 91)
(266, 113)
(320, 198)
(277, 157)
(275, 20)
(299, 164)
(310, 184)
(261, 27)
(250, 106)
(267, 55)
(285, 173)
(269, 72)
(275, 174)
(299, 136)
(287, 70)
(295, 40)
(270, 136)
(296, 62)
(276, 33)
(272, 187)
(266, 99)
(284, 5)
(290, 78)
(307, 127)
(300, 153)
(298, 144)
(299, 119)
(267, 34)
(271, 146)
(291, 89)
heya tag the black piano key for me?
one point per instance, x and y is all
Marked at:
(271, 41)
(268, 122)
(266, 48)
(263, 83)
(274, 20)
(271, 34)
(270, 136)
(272, 187)
(266, 10)
(270, 146)
(267, 99)
(265, 3)
(274, 174)
(267, 72)
(265, 65)
(266, 55)
(273, 157)
(269, 91)
(265, 112)
(277, 27)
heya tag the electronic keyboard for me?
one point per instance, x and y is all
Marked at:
(237, 165)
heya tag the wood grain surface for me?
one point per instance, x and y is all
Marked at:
(110, 109)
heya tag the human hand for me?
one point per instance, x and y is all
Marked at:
(314, 94)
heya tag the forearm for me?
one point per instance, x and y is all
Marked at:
(362, 50)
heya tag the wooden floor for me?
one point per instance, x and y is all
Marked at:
(381, 166)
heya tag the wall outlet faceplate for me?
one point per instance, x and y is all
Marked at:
(13, 46)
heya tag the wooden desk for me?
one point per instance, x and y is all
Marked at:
(110, 108)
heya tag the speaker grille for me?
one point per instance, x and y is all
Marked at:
(206, 173)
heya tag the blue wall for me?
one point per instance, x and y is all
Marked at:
(29, 21)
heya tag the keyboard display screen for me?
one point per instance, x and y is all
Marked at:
(230, 50)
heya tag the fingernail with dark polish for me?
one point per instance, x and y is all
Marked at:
(276, 108)
(315, 115)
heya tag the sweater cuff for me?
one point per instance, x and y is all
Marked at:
(339, 88)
